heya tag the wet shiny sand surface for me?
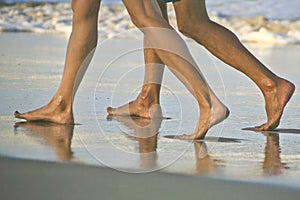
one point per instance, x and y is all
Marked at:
(31, 68)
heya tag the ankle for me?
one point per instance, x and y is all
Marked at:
(61, 104)
(268, 85)
(150, 94)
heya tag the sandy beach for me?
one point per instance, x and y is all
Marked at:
(105, 155)
(47, 180)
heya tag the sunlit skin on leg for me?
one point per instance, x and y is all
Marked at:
(147, 14)
(194, 22)
(82, 43)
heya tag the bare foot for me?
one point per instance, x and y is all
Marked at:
(141, 107)
(208, 118)
(56, 111)
(275, 101)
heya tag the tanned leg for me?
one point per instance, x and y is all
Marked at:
(146, 105)
(82, 43)
(172, 50)
(194, 22)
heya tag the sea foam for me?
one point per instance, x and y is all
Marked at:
(56, 18)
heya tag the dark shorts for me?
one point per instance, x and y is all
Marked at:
(167, 1)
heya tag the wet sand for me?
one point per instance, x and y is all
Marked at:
(47, 180)
(31, 67)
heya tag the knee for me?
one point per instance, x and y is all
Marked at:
(85, 9)
(186, 28)
(136, 21)
(141, 21)
(194, 29)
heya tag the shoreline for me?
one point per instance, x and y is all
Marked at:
(113, 19)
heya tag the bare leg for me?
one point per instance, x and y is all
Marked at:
(193, 21)
(145, 14)
(147, 102)
(82, 43)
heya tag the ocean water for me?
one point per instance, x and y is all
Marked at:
(259, 21)
(275, 9)
(59, 1)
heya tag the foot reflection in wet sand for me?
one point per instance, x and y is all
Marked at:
(145, 133)
(205, 164)
(147, 149)
(57, 136)
(272, 164)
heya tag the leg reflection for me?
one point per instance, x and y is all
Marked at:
(204, 163)
(57, 136)
(272, 164)
(145, 133)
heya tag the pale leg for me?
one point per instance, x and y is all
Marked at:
(82, 43)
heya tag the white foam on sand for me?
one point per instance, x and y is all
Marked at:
(57, 19)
